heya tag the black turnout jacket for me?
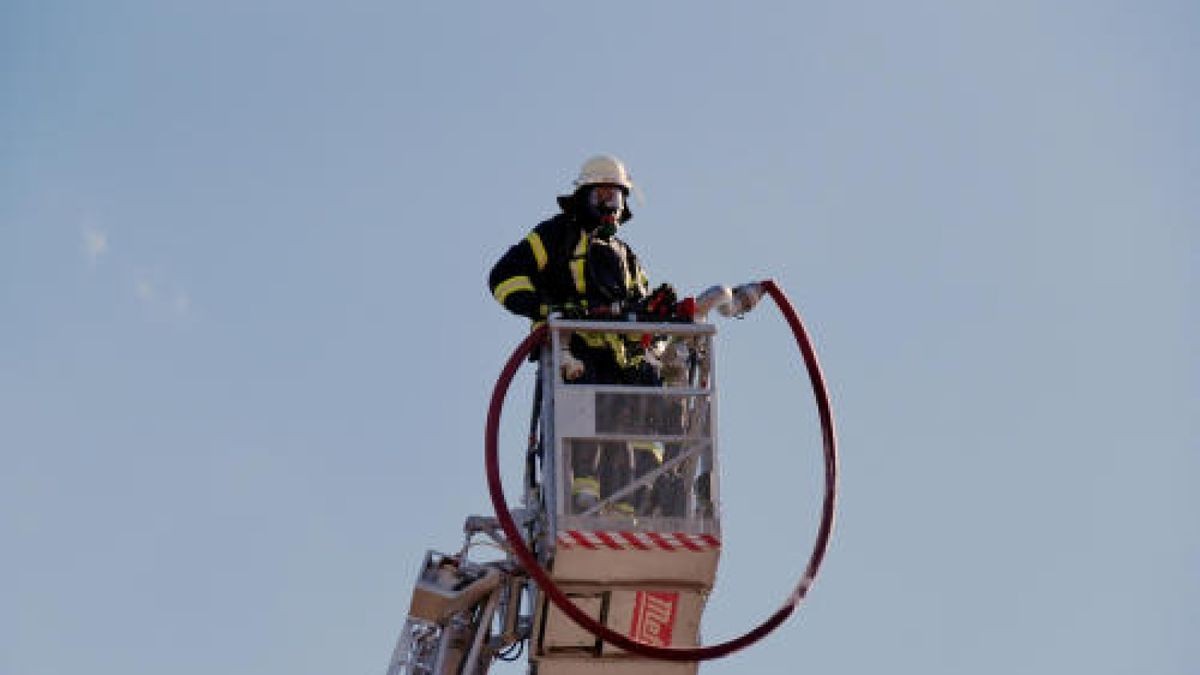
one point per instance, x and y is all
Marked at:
(562, 263)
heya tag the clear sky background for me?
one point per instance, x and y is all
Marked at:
(246, 347)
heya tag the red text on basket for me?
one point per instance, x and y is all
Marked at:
(654, 617)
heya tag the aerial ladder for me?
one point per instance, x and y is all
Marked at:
(614, 584)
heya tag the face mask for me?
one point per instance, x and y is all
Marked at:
(605, 204)
(605, 230)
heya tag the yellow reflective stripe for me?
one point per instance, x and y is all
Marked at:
(539, 249)
(653, 447)
(593, 339)
(512, 285)
(577, 274)
(610, 341)
(578, 259)
(585, 485)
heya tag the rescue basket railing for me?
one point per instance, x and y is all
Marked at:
(670, 419)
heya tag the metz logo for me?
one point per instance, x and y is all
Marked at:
(654, 617)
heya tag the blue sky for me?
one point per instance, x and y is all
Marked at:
(246, 346)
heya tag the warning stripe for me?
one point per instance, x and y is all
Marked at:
(686, 542)
(609, 541)
(660, 540)
(625, 540)
(634, 541)
(580, 539)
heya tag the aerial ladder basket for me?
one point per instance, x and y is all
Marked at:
(610, 559)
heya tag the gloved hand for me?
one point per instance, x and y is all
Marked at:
(572, 368)
(569, 311)
(660, 303)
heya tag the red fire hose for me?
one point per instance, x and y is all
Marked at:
(542, 577)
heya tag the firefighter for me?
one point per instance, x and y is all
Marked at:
(571, 263)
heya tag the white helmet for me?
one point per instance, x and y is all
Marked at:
(604, 170)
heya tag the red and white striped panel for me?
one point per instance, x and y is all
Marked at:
(637, 541)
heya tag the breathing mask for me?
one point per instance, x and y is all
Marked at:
(605, 204)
